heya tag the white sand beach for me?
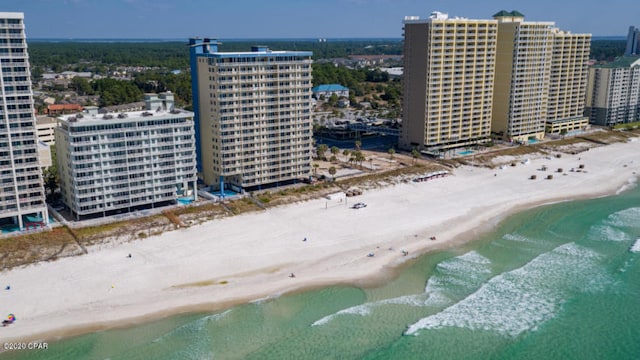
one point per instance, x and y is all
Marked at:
(248, 257)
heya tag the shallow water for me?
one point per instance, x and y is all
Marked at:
(557, 282)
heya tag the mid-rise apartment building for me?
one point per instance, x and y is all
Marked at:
(613, 95)
(22, 196)
(449, 71)
(253, 115)
(115, 162)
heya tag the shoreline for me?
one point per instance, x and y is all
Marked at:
(183, 271)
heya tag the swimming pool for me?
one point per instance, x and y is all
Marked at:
(6, 229)
(227, 193)
(185, 200)
(466, 152)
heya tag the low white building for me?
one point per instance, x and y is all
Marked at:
(44, 155)
(45, 126)
(327, 90)
(109, 163)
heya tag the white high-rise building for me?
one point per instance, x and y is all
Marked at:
(114, 162)
(22, 196)
(614, 92)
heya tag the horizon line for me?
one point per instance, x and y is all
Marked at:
(160, 39)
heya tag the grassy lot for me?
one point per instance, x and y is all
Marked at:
(123, 231)
(42, 246)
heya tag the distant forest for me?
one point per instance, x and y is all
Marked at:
(160, 58)
(98, 57)
(81, 56)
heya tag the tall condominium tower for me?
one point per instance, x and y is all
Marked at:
(253, 115)
(633, 42)
(22, 198)
(523, 69)
(449, 69)
(613, 95)
(568, 82)
(465, 79)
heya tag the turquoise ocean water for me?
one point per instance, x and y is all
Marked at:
(555, 282)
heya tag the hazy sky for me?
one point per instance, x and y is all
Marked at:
(231, 19)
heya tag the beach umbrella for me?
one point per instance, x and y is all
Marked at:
(11, 317)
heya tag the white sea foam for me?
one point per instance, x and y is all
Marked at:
(462, 273)
(195, 326)
(625, 218)
(362, 310)
(466, 271)
(608, 233)
(636, 246)
(411, 300)
(613, 228)
(520, 300)
(516, 237)
(265, 299)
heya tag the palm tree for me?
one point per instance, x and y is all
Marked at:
(332, 172)
(346, 154)
(358, 145)
(359, 158)
(415, 154)
(335, 150)
(315, 169)
(322, 148)
(391, 152)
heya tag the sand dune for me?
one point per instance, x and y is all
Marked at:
(248, 257)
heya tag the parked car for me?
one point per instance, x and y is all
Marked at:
(359, 205)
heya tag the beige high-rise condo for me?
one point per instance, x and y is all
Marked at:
(522, 79)
(465, 80)
(541, 79)
(449, 68)
(253, 116)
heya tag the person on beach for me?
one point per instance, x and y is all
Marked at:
(292, 275)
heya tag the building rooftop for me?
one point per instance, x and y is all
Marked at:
(329, 87)
(45, 119)
(621, 62)
(88, 119)
(258, 53)
(209, 48)
(72, 107)
(513, 13)
(124, 107)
